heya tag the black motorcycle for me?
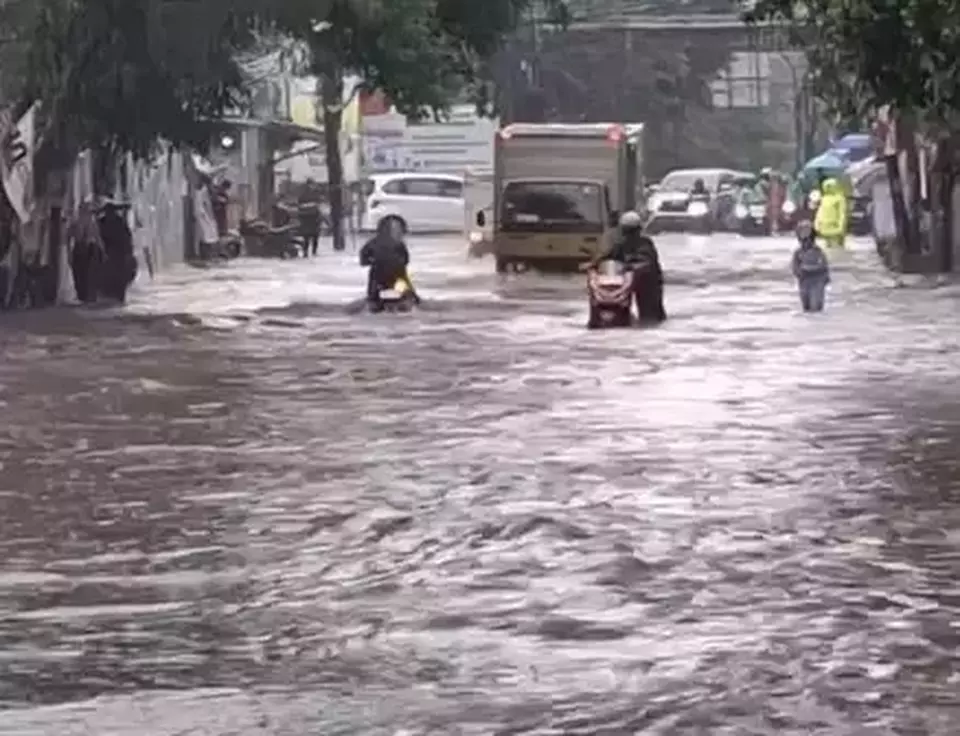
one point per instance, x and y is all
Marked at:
(261, 240)
(397, 297)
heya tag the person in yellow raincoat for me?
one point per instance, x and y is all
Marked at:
(832, 214)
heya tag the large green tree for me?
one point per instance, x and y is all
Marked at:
(119, 74)
(867, 54)
(422, 53)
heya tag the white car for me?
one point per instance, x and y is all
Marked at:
(419, 202)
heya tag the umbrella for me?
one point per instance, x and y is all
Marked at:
(830, 162)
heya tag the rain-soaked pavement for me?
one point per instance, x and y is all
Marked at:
(234, 509)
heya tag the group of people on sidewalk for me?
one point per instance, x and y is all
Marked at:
(101, 252)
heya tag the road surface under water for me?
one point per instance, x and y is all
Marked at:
(231, 508)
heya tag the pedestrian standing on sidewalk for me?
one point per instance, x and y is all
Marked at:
(810, 268)
(221, 207)
(86, 252)
(308, 215)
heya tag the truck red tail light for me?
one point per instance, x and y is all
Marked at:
(615, 133)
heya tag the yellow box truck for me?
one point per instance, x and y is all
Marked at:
(558, 190)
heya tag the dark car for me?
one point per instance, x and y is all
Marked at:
(674, 207)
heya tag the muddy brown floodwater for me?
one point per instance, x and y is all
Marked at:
(233, 509)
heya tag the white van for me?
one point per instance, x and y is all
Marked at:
(419, 202)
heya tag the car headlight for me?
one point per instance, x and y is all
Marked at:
(788, 207)
(740, 211)
(476, 238)
(698, 209)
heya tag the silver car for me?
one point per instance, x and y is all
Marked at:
(674, 206)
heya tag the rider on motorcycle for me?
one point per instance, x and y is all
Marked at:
(699, 190)
(638, 252)
(387, 257)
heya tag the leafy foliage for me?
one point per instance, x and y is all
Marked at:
(121, 73)
(421, 53)
(868, 53)
(664, 81)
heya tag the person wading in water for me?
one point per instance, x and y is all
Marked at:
(86, 252)
(120, 266)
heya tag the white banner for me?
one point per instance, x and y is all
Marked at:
(16, 163)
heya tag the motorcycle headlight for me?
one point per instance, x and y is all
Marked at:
(740, 211)
(788, 207)
(698, 209)
(815, 197)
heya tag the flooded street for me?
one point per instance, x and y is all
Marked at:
(234, 509)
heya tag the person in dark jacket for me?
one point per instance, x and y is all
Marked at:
(120, 264)
(86, 252)
(639, 253)
(308, 216)
(387, 257)
(221, 207)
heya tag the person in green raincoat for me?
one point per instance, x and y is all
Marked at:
(832, 214)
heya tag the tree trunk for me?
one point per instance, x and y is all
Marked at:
(8, 254)
(944, 179)
(809, 143)
(914, 242)
(54, 244)
(947, 182)
(331, 100)
(799, 129)
(904, 230)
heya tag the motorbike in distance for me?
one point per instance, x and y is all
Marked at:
(262, 240)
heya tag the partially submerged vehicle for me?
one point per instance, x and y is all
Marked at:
(399, 297)
(610, 292)
(676, 207)
(477, 198)
(262, 240)
(558, 190)
(752, 213)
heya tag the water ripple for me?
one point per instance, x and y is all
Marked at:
(234, 508)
